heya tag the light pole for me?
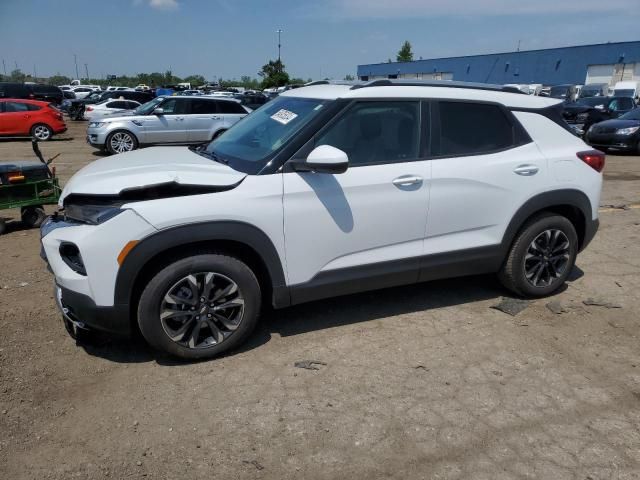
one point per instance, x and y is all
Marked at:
(279, 32)
(75, 60)
(4, 67)
(86, 71)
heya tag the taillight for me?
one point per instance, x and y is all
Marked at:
(593, 158)
(88, 109)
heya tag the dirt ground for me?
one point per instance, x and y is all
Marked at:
(426, 381)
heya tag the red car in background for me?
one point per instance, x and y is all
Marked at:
(30, 118)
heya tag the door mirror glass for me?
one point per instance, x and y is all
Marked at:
(158, 111)
(324, 159)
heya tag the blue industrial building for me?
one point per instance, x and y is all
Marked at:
(600, 63)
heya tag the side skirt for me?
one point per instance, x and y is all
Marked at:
(399, 272)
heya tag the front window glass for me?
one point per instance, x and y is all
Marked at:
(376, 132)
(251, 143)
(148, 107)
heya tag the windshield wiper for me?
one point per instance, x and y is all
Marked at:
(201, 150)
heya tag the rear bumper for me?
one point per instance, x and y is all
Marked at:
(82, 311)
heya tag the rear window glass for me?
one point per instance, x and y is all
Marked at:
(472, 128)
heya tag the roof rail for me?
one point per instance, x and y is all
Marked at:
(333, 82)
(436, 83)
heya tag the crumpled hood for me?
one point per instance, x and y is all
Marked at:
(148, 167)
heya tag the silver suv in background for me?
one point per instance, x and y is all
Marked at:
(165, 120)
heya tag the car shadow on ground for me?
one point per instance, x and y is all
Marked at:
(324, 314)
(14, 225)
(28, 139)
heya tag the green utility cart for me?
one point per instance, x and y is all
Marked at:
(28, 186)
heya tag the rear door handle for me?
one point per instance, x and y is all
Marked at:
(216, 118)
(406, 180)
(526, 170)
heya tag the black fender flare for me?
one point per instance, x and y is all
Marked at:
(549, 200)
(163, 240)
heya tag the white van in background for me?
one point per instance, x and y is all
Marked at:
(626, 89)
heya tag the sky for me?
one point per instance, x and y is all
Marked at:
(320, 38)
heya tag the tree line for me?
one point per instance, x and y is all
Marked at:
(272, 74)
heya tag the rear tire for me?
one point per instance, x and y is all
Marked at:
(33, 216)
(3, 226)
(42, 132)
(541, 257)
(199, 307)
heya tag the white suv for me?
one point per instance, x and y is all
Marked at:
(165, 120)
(326, 190)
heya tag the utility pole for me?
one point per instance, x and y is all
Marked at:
(86, 70)
(519, 45)
(4, 67)
(35, 73)
(75, 60)
(279, 32)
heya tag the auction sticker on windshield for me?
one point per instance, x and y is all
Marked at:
(284, 116)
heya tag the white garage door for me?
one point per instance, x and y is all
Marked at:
(599, 73)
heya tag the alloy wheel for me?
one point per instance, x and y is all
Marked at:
(201, 310)
(41, 132)
(121, 142)
(547, 258)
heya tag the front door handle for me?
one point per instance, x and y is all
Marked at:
(216, 118)
(406, 180)
(526, 170)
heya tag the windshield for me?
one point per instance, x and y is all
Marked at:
(253, 141)
(558, 92)
(594, 101)
(624, 93)
(632, 115)
(147, 108)
(590, 92)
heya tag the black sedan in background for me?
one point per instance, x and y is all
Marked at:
(621, 133)
(587, 111)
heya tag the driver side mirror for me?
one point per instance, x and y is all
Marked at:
(158, 111)
(323, 159)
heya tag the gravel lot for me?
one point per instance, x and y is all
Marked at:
(426, 381)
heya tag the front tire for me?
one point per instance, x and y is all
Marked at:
(42, 132)
(200, 306)
(121, 141)
(541, 257)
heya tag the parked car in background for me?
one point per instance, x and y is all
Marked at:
(30, 118)
(76, 111)
(585, 112)
(622, 133)
(594, 90)
(68, 96)
(567, 92)
(142, 87)
(82, 92)
(31, 91)
(627, 89)
(166, 120)
(111, 88)
(108, 107)
(252, 100)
